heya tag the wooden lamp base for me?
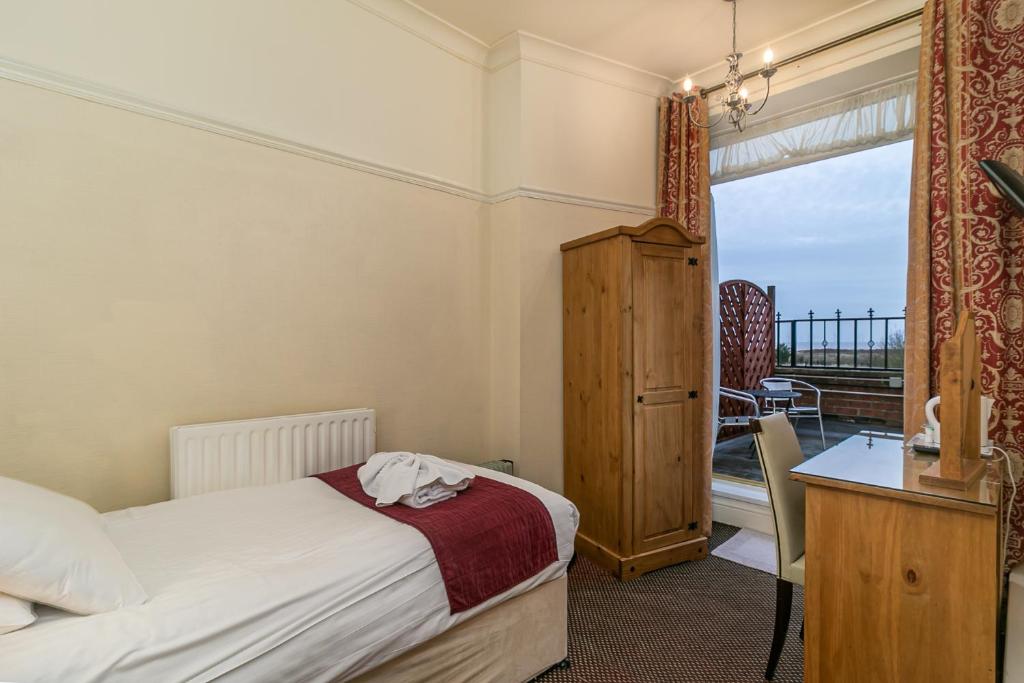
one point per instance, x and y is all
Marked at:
(971, 470)
(959, 464)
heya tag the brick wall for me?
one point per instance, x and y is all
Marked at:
(861, 394)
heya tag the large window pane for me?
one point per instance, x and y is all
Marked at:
(828, 236)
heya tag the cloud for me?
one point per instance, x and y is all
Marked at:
(829, 234)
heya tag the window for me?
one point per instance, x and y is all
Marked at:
(829, 236)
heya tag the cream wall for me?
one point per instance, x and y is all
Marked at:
(316, 73)
(503, 139)
(569, 126)
(545, 226)
(526, 326)
(584, 131)
(502, 234)
(585, 137)
(153, 275)
(390, 240)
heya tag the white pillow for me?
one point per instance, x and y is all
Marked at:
(15, 613)
(54, 550)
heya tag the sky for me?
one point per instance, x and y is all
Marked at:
(829, 234)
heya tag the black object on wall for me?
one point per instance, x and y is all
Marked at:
(1010, 183)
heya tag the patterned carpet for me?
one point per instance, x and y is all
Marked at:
(698, 622)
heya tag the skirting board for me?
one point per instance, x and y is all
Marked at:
(742, 505)
(629, 567)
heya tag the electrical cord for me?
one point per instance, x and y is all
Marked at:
(1013, 496)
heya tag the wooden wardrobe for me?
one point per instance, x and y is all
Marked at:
(634, 352)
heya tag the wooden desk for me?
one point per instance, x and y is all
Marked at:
(902, 581)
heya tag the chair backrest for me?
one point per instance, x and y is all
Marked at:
(778, 450)
(743, 396)
(777, 384)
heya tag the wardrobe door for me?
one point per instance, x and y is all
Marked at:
(666, 507)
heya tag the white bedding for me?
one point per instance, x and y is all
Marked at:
(278, 583)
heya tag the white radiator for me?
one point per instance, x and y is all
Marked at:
(227, 455)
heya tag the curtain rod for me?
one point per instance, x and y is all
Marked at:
(914, 14)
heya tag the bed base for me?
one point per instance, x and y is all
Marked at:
(516, 641)
(564, 664)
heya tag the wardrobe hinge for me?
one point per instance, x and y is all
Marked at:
(692, 261)
(692, 526)
(640, 398)
(693, 394)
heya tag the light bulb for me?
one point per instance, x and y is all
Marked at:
(744, 93)
(769, 56)
(687, 85)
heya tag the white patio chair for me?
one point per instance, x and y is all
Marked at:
(790, 406)
(737, 420)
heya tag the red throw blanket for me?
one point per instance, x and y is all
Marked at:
(487, 539)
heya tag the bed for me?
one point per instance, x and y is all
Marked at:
(295, 582)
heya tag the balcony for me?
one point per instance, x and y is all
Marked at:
(736, 458)
(856, 362)
(866, 343)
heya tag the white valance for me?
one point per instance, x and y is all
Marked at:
(848, 124)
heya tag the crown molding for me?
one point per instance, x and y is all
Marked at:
(831, 28)
(505, 51)
(100, 94)
(520, 46)
(524, 46)
(516, 46)
(525, 192)
(429, 27)
(92, 92)
(555, 55)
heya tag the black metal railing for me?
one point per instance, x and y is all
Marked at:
(868, 343)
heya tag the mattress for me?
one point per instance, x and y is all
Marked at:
(286, 582)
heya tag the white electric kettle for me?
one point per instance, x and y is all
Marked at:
(932, 433)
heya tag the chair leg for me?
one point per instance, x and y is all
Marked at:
(821, 426)
(801, 624)
(783, 605)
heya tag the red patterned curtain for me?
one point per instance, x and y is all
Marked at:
(684, 194)
(684, 169)
(966, 247)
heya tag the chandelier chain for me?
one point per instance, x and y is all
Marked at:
(733, 3)
(736, 106)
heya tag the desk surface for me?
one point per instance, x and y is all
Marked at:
(881, 462)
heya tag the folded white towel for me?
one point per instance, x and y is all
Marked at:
(414, 479)
(432, 493)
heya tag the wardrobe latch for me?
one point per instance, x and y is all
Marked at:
(640, 398)
(693, 394)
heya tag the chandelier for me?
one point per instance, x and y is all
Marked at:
(736, 103)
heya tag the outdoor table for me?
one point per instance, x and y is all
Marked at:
(787, 396)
